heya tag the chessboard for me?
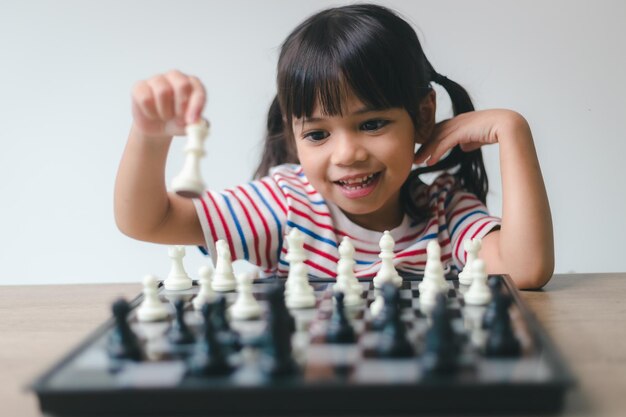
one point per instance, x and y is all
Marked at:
(321, 376)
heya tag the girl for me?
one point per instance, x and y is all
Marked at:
(349, 133)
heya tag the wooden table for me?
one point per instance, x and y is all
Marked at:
(584, 313)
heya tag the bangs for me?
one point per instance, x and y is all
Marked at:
(334, 57)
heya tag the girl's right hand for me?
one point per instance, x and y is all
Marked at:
(164, 104)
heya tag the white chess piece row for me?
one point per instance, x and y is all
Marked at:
(221, 279)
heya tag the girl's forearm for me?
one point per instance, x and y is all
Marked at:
(141, 199)
(526, 239)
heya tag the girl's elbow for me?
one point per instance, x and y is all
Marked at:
(534, 278)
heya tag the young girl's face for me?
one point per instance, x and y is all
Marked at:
(358, 161)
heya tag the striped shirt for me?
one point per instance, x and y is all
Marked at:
(255, 218)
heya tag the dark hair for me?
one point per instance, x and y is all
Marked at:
(372, 52)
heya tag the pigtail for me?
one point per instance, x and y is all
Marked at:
(276, 147)
(471, 172)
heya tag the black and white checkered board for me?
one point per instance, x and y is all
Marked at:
(333, 379)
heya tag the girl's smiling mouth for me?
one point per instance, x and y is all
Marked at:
(358, 186)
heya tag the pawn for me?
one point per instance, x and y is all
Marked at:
(339, 328)
(179, 333)
(206, 293)
(441, 347)
(123, 342)
(387, 272)
(347, 282)
(393, 341)
(345, 270)
(495, 286)
(189, 182)
(478, 293)
(208, 358)
(223, 277)
(177, 279)
(434, 277)
(472, 247)
(151, 308)
(300, 294)
(245, 306)
(501, 341)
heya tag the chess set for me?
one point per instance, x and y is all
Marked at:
(238, 345)
(233, 345)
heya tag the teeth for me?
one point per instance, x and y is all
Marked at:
(358, 181)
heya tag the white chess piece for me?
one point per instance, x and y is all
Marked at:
(347, 281)
(177, 279)
(434, 277)
(295, 252)
(206, 294)
(245, 306)
(223, 276)
(472, 247)
(301, 294)
(387, 271)
(189, 182)
(479, 292)
(151, 308)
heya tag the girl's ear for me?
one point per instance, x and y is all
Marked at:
(426, 117)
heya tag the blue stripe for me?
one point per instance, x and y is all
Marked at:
(239, 230)
(471, 213)
(278, 226)
(301, 194)
(427, 237)
(280, 261)
(312, 234)
(363, 262)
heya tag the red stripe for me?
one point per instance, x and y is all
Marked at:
(328, 272)
(208, 217)
(224, 225)
(414, 235)
(463, 210)
(298, 184)
(254, 233)
(268, 245)
(280, 203)
(307, 205)
(320, 253)
(444, 258)
(312, 264)
(306, 216)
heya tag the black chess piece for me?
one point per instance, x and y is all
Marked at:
(230, 339)
(339, 328)
(123, 343)
(281, 327)
(393, 339)
(501, 340)
(441, 348)
(208, 358)
(180, 333)
(495, 285)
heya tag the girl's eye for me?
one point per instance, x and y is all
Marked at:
(372, 125)
(316, 135)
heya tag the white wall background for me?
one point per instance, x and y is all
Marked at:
(67, 68)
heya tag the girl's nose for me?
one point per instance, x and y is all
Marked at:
(348, 150)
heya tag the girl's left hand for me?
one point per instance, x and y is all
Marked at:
(469, 130)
